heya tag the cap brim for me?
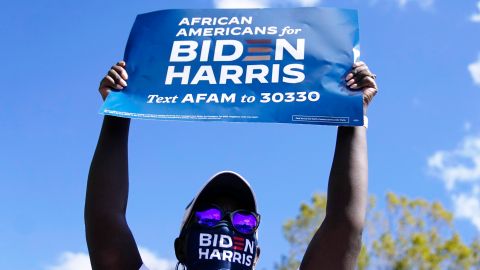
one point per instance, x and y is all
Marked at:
(224, 183)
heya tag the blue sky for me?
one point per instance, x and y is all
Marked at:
(424, 135)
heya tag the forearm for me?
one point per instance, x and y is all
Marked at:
(111, 244)
(337, 242)
(107, 189)
(348, 182)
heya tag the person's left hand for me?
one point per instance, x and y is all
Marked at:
(362, 79)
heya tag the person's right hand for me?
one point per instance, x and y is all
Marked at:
(116, 79)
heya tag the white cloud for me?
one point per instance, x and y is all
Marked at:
(261, 3)
(474, 69)
(467, 205)
(461, 165)
(241, 3)
(476, 17)
(81, 261)
(155, 263)
(307, 3)
(422, 3)
(72, 261)
(425, 4)
(459, 169)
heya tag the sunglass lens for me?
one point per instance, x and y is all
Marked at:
(209, 217)
(244, 222)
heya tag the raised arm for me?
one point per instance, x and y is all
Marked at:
(337, 243)
(110, 242)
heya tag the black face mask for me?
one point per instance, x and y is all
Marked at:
(219, 248)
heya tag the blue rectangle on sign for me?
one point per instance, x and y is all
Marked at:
(244, 65)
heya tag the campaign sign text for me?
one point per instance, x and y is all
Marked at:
(245, 65)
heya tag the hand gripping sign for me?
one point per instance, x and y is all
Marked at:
(245, 65)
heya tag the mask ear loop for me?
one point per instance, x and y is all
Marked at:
(178, 265)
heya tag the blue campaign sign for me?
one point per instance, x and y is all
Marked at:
(248, 65)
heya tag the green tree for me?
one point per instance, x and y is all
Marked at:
(404, 234)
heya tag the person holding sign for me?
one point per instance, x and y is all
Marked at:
(219, 229)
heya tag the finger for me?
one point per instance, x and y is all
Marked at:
(359, 64)
(122, 63)
(109, 83)
(360, 76)
(356, 72)
(106, 83)
(118, 79)
(121, 71)
(350, 82)
(359, 70)
(366, 82)
(349, 76)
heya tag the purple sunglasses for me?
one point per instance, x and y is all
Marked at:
(243, 221)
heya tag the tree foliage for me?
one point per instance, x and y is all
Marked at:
(406, 233)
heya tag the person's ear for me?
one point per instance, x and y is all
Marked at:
(179, 249)
(257, 256)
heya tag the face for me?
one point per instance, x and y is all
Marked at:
(220, 246)
(226, 203)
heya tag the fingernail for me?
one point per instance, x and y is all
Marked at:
(354, 86)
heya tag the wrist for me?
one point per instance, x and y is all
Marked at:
(119, 124)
